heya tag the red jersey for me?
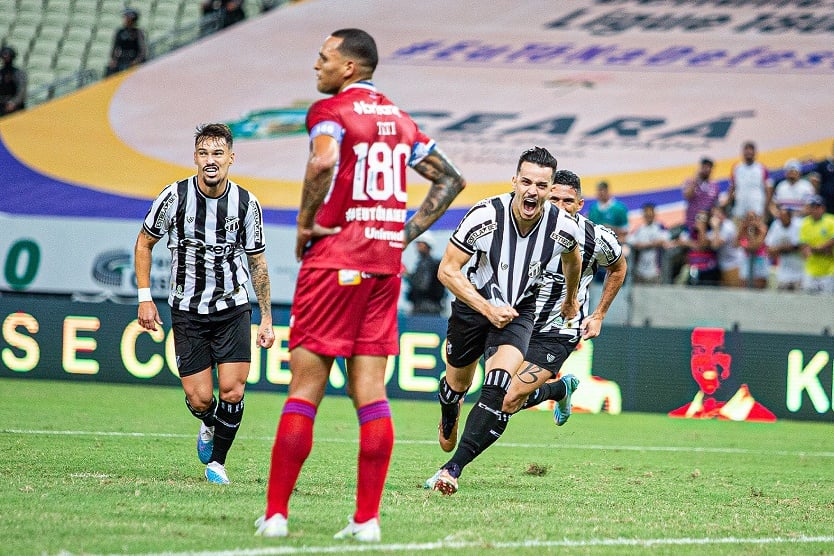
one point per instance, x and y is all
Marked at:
(367, 198)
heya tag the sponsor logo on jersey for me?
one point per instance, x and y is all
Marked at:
(163, 211)
(375, 109)
(218, 249)
(565, 241)
(607, 250)
(484, 229)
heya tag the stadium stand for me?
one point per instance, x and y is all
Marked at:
(65, 44)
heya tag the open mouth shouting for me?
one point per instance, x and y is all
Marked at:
(529, 206)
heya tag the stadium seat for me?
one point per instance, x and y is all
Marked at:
(39, 77)
(53, 35)
(39, 61)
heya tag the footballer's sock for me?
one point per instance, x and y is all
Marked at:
(226, 422)
(293, 442)
(485, 423)
(207, 415)
(376, 442)
(547, 391)
(449, 405)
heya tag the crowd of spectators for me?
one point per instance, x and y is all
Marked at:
(755, 235)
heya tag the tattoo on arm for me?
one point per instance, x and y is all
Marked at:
(446, 183)
(260, 282)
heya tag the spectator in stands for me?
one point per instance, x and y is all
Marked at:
(782, 243)
(699, 192)
(648, 242)
(701, 256)
(793, 191)
(755, 267)
(750, 185)
(816, 240)
(12, 83)
(825, 187)
(724, 240)
(227, 12)
(426, 292)
(608, 211)
(129, 45)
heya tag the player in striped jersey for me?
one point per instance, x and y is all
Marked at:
(510, 240)
(554, 336)
(216, 238)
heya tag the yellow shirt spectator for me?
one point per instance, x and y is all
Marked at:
(816, 235)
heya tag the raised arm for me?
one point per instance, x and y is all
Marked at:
(446, 183)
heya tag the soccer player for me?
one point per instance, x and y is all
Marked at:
(555, 336)
(352, 229)
(211, 223)
(511, 239)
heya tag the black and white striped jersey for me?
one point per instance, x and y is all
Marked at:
(599, 247)
(506, 267)
(208, 239)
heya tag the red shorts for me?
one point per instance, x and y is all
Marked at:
(340, 313)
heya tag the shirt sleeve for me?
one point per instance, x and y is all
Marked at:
(607, 250)
(475, 228)
(255, 237)
(163, 210)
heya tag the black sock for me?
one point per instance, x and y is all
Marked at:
(485, 423)
(547, 391)
(206, 416)
(449, 405)
(226, 422)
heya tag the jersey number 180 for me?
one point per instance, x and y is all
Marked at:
(378, 171)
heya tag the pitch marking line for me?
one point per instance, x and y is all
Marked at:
(456, 545)
(695, 449)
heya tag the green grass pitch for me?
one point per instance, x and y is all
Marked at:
(112, 469)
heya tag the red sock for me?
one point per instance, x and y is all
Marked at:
(293, 442)
(376, 442)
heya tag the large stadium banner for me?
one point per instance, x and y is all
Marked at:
(631, 91)
(93, 257)
(701, 373)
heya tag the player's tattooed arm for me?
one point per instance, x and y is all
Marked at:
(260, 283)
(446, 183)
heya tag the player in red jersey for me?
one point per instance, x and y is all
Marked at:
(352, 229)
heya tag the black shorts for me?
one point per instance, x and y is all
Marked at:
(201, 341)
(550, 350)
(469, 334)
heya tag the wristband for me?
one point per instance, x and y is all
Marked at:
(144, 294)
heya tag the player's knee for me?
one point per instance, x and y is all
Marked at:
(232, 395)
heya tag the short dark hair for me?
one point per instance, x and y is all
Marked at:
(707, 160)
(566, 177)
(538, 156)
(213, 131)
(358, 44)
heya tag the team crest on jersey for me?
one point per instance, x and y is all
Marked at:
(534, 270)
(550, 358)
(232, 224)
(189, 219)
